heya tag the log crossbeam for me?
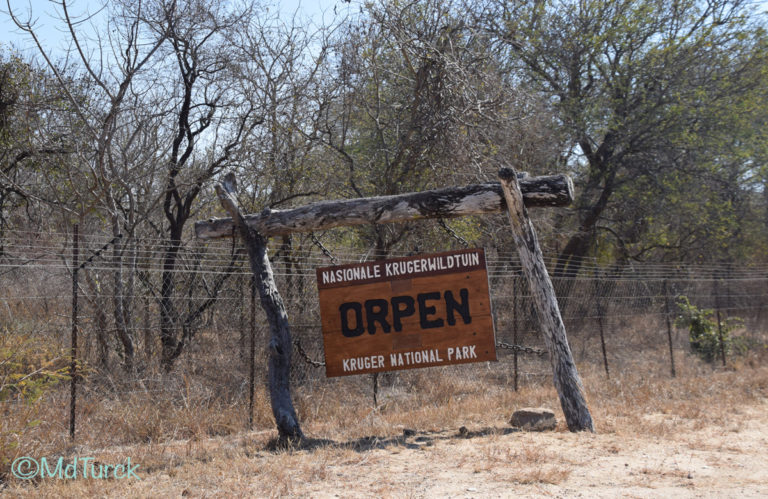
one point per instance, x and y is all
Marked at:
(452, 202)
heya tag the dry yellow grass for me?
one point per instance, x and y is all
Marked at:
(193, 444)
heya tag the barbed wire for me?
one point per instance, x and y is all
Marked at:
(99, 251)
(60, 243)
(285, 270)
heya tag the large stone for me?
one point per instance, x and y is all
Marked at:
(534, 419)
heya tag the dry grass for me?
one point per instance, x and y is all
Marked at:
(183, 450)
(187, 429)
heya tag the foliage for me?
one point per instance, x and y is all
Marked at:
(27, 367)
(703, 333)
(613, 71)
(656, 109)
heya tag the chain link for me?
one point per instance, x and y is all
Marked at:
(521, 348)
(325, 251)
(453, 233)
(306, 357)
(98, 252)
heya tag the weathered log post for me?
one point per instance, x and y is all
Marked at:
(566, 377)
(280, 335)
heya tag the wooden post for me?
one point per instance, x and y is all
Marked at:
(280, 344)
(566, 377)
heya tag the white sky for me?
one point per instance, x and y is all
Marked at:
(44, 13)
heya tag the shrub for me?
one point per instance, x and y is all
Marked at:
(703, 333)
(29, 367)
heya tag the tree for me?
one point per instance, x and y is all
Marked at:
(32, 109)
(284, 65)
(163, 110)
(210, 116)
(109, 135)
(636, 84)
(419, 100)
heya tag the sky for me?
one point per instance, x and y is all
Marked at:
(49, 29)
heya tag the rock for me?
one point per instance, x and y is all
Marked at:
(534, 419)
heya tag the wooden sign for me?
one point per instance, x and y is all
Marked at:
(404, 313)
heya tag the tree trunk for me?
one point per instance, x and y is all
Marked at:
(280, 345)
(566, 377)
(169, 315)
(120, 300)
(571, 258)
(99, 305)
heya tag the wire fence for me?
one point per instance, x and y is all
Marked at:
(617, 317)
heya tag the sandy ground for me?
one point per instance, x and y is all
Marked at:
(691, 462)
(672, 457)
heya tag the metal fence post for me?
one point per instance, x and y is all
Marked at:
(515, 341)
(73, 348)
(669, 328)
(599, 311)
(602, 340)
(252, 360)
(720, 336)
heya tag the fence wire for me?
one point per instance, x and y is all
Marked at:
(613, 315)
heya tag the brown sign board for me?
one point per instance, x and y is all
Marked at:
(404, 313)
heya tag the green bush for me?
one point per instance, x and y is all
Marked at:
(703, 333)
(29, 366)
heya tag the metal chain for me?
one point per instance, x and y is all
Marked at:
(521, 348)
(453, 233)
(98, 252)
(325, 251)
(306, 357)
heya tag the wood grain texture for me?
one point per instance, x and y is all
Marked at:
(444, 342)
(554, 190)
(566, 377)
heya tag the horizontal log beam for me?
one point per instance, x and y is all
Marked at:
(451, 202)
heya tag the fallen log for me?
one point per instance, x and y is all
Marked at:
(451, 202)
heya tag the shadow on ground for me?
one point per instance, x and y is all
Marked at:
(410, 439)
